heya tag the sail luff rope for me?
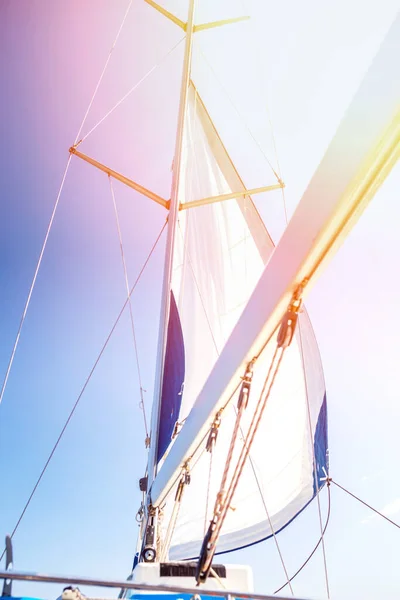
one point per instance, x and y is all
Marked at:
(103, 72)
(365, 503)
(121, 246)
(129, 92)
(11, 360)
(315, 547)
(85, 385)
(38, 265)
(314, 461)
(241, 117)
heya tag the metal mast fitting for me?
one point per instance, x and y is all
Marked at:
(195, 28)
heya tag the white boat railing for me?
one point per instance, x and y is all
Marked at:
(195, 592)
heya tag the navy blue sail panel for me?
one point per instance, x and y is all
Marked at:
(173, 378)
(321, 448)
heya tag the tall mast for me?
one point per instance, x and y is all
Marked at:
(172, 218)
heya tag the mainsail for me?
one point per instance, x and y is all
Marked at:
(220, 252)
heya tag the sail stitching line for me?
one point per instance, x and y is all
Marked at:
(129, 92)
(53, 214)
(200, 295)
(85, 385)
(141, 403)
(314, 462)
(195, 169)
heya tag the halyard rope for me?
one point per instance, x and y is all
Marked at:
(224, 499)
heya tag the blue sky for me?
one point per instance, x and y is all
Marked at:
(82, 519)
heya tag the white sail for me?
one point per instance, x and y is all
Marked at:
(221, 249)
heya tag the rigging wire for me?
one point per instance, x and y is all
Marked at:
(141, 404)
(314, 461)
(365, 504)
(288, 581)
(267, 387)
(53, 214)
(315, 547)
(85, 385)
(38, 265)
(258, 52)
(241, 117)
(224, 499)
(130, 91)
(103, 72)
